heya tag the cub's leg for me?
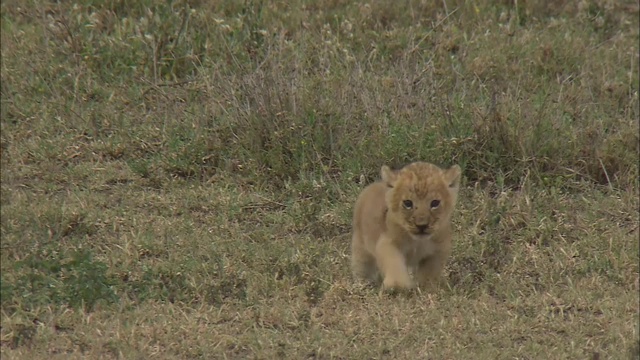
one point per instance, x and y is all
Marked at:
(429, 270)
(392, 263)
(363, 264)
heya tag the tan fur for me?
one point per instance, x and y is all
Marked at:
(387, 239)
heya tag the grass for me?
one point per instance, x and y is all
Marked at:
(178, 177)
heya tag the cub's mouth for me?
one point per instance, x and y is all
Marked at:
(422, 230)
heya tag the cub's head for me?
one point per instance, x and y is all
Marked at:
(421, 196)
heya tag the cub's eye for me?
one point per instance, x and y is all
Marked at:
(435, 204)
(408, 204)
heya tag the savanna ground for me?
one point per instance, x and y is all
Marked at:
(178, 177)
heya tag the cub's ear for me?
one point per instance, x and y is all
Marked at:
(389, 176)
(452, 177)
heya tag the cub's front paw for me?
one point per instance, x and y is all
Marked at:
(392, 284)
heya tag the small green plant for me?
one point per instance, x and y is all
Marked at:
(72, 278)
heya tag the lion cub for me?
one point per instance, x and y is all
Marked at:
(404, 222)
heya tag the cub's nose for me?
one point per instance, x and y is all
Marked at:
(422, 228)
